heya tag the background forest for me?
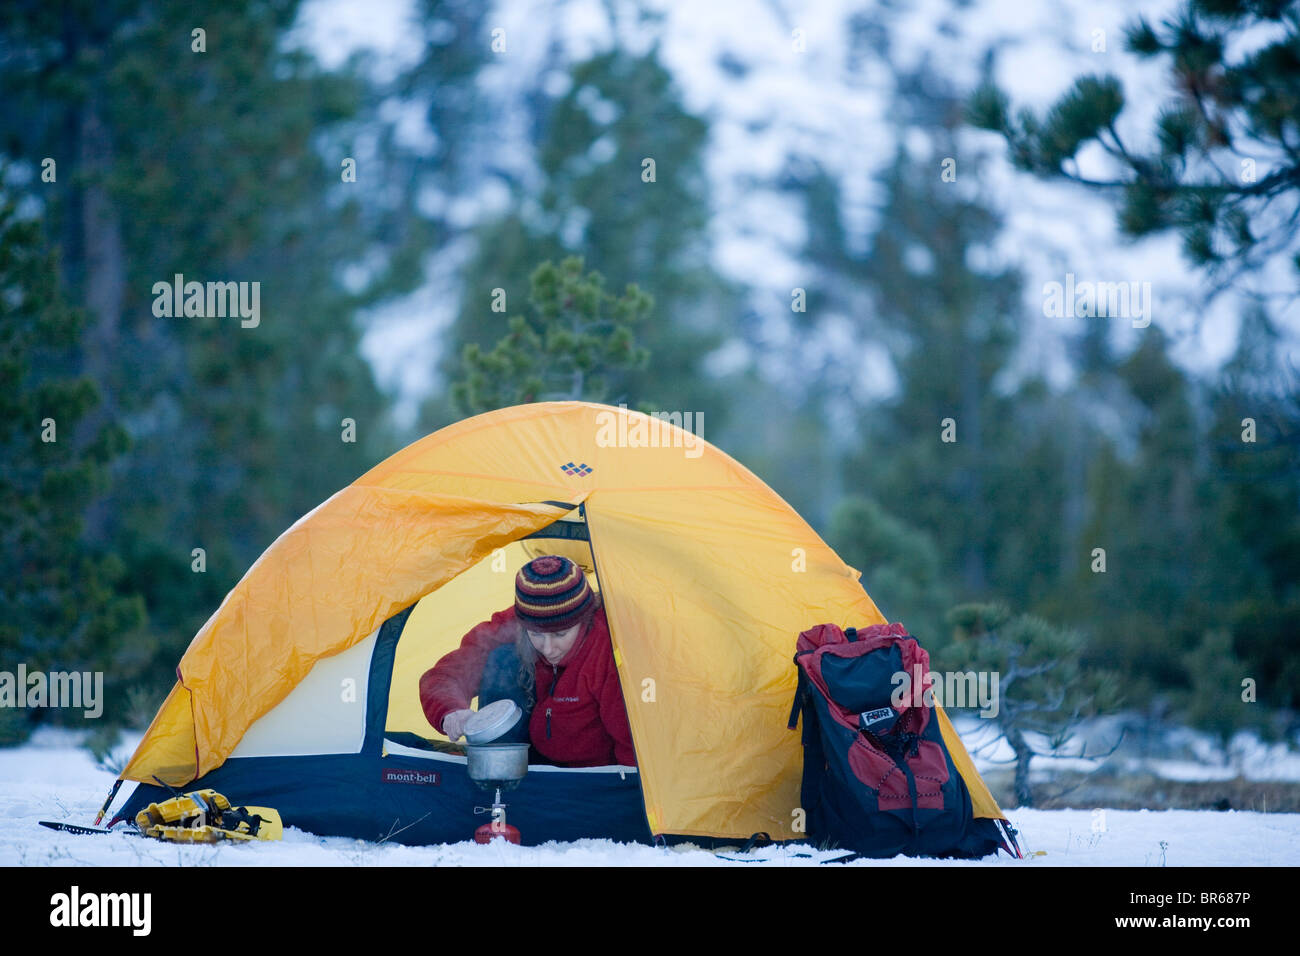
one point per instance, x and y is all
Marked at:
(845, 238)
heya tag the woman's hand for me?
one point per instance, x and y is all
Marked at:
(453, 725)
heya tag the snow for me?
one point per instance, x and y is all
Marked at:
(336, 29)
(52, 778)
(788, 88)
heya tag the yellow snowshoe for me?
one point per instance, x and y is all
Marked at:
(205, 816)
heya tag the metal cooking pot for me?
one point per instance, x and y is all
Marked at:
(497, 764)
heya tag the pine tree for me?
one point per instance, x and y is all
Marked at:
(1214, 701)
(900, 567)
(1152, 514)
(1043, 691)
(954, 330)
(579, 335)
(1221, 167)
(64, 605)
(963, 451)
(1256, 471)
(624, 189)
(408, 175)
(1196, 524)
(218, 156)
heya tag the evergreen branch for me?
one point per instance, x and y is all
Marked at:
(1277, 182)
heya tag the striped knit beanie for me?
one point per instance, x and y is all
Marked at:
(551, 594)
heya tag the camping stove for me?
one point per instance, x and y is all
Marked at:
(497, 767)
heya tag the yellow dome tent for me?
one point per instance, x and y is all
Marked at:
(306, 676)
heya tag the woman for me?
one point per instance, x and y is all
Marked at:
(551, 654)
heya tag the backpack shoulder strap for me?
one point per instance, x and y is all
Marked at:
(800, 689)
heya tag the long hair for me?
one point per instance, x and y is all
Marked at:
(527, 654)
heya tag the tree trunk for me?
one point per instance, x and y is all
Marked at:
(970, 435)
(1024, 792)
(1074, 499)
(104, 289)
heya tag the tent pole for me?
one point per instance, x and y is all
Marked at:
(111, 794)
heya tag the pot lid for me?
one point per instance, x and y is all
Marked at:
(490, 722)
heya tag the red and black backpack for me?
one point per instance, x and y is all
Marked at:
(877, 776)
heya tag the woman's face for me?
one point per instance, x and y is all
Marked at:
(554, 646)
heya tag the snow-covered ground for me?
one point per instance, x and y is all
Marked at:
(52, 778)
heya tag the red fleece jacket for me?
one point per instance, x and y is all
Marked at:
(579, 719)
